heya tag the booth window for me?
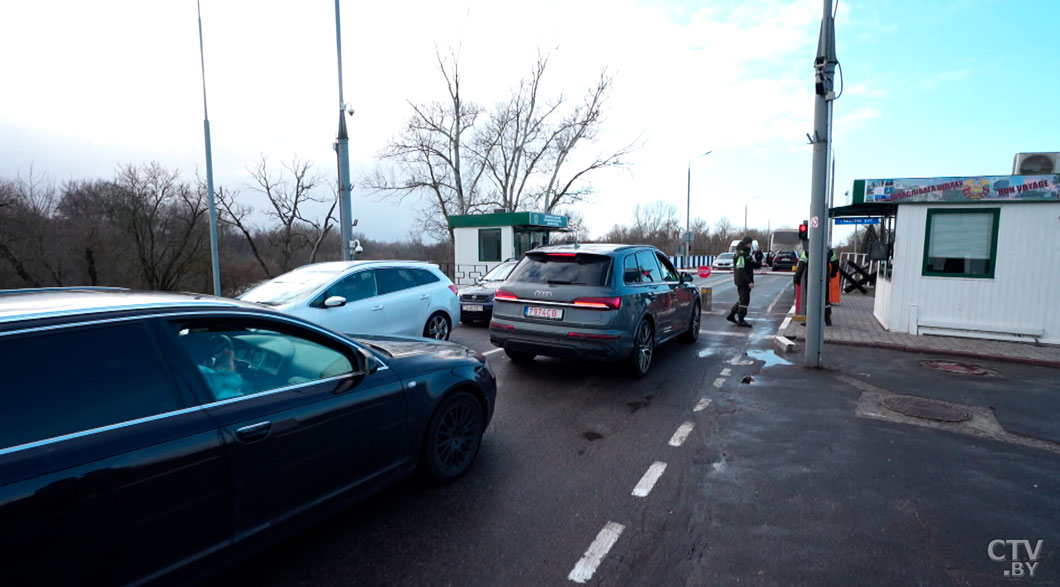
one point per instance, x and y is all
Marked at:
(489, 244)
(961, 242)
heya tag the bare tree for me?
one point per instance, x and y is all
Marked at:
(436, 154)
(288, 198)
(165, 220)
(524, 150)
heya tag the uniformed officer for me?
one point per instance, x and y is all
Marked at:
(744, 277)
(833, 272)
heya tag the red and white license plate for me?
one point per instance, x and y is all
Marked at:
(548, 313)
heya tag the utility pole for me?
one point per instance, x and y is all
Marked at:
(824, 70)
(215, 261)
(342, 151)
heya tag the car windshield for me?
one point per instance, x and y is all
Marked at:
(724, 256)
(562, 269)
(500, 272)
(293, 286)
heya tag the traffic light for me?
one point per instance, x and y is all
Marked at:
(804, 231)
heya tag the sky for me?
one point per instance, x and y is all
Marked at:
(929, 89)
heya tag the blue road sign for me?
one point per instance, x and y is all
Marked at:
(857, 220)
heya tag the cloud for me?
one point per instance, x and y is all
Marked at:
(933, 82)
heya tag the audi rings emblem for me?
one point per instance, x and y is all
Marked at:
(542, 294)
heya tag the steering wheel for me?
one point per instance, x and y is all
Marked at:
(221, 353)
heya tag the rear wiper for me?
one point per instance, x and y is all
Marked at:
(560, 282)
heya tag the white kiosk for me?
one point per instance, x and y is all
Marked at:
(973, 257)
(482, 241)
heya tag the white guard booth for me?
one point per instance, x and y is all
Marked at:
(482, 241)
(975, 257)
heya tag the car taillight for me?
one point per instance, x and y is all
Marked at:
(504, 296)
(562, 254)
(599, 303)
(592, 336)
(453, 288)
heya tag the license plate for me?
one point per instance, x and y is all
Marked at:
(471, 308)
(548, 313)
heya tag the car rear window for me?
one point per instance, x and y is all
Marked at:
(563, 269)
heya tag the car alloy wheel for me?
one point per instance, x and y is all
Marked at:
(692, 334)
(643, 348)
(454, 437)
(437, 327)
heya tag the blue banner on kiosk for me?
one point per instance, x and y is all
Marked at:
(963, 189)
(860, 220)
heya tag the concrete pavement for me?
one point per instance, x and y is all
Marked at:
(854, 324)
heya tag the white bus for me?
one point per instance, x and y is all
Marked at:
(784, 239)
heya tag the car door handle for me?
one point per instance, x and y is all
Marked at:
(254, 432)
(377, 308)
(425, 297)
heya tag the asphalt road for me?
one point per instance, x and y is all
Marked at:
(726, 464)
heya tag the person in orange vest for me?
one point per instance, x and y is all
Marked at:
(833, 272)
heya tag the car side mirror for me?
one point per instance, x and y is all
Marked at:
(686, 278)
(335, 302)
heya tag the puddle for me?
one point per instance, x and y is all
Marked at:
(770, 358)
(705, 353)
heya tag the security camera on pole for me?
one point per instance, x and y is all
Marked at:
(824, 70)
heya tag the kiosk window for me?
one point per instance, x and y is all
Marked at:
(961, 242)
(489, 244)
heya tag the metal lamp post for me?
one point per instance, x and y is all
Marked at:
(688, 207)
(342, 152)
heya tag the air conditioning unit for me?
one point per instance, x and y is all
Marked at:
(1035, 163)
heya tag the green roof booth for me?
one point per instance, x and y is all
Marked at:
(482, 241)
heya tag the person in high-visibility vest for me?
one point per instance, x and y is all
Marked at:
(743, 276)
(833, 272)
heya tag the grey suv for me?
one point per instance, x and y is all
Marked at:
(596, 301)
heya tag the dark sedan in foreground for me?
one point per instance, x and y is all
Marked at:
(146, 436)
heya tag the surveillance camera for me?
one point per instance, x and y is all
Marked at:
(349, 109)
(359, 249)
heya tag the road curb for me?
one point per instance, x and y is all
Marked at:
(947, 352)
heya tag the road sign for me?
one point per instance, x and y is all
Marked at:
(813, 222)
(689, 237)
(857, 220)
(704, 271)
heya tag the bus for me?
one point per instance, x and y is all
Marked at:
(784, 239)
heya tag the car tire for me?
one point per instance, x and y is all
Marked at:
(438, 327)
(519, 357)
(643, 348)
(453, 437)
(692, 334)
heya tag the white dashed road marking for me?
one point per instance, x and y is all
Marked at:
(702, 405)
(647, 482)
(682, 433)
(726, 372)
(738, 360)
(583, 571)
(722, 333)
(493, 351)
(719, 382)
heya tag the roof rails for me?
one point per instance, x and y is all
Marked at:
(99, 288)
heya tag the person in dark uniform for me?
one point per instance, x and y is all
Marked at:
(743, 275)
(833, 272)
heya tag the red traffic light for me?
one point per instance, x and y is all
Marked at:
(804, 231)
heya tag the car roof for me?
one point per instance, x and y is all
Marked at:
(29, 304)
(340, 266)
(593, 248)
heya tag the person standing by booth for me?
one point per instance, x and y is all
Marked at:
(833, 272)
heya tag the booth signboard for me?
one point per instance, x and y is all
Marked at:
(961, 190)
(549, 220)
(859, 220)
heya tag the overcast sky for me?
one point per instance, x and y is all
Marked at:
(931, 89)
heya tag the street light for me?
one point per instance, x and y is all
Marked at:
(688, 207)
